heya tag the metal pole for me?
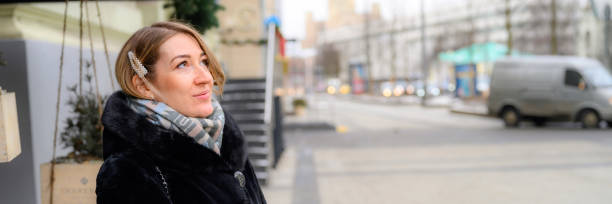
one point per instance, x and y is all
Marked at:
(608, 61)
(269, 72)
(423, 53)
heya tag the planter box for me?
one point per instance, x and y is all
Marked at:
(299, 110)
(74, 183)
(10, 146)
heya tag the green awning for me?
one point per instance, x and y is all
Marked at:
(477, 53)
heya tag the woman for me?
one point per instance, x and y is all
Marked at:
(166, 139)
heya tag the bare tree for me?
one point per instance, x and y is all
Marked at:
(366, 38)
(441, 43)
(553, 28)
(328, 59)
(509, 26)
(392, 46)
(471, 34)
(606, 58)
(407, 47)
(542, 29)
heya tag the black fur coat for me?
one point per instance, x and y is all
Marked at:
(137, 153)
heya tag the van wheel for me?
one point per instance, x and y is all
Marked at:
(511, 117)
(539, 122)
(589, 119)
(609, 123)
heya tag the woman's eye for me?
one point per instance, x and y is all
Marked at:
(182, 65)
(204, 63)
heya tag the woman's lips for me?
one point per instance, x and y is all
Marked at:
(204, 95)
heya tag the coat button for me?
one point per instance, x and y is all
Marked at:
(240, 177)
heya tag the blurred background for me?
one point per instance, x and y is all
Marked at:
(341, 101)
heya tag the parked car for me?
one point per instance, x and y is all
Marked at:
(551, 88)
(333, 86)
(418, 89)
(386, 89)
(396, 88)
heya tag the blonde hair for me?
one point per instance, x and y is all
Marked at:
(145, 44)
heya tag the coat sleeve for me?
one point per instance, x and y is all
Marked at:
(124, 181)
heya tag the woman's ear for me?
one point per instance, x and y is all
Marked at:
(142, 88)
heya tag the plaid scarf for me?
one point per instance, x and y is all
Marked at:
(205, 131)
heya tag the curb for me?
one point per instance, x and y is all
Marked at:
(470, 113)
(393, 101)
(309, 126)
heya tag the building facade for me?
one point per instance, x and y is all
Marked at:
(242, 34)
(389, 49)
(30, 40)
(595, 40)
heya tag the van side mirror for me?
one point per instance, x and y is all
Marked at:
(583, 85)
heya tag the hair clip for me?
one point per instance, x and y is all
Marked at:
(136, 65)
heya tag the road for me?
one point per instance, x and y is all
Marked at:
(409, 154)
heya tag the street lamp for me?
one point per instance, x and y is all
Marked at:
(423, 53)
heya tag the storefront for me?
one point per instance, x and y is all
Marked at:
(473, 66)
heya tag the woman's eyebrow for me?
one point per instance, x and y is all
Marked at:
(179, 56)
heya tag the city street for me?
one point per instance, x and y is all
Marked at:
(336, 84)
(409, 154)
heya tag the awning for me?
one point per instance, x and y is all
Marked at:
(477, 53)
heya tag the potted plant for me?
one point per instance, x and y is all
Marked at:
(75, 174)
(299, 106)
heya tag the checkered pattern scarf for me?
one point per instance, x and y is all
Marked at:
(205, 131)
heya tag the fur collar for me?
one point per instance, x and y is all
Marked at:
(125, 130)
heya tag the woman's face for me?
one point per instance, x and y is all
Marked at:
(182, 77)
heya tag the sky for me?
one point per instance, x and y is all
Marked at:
(293, 14)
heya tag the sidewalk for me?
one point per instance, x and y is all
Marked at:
(300, 177)
(313, 119)
(432, 101)
(281, 185)
(316, 116)
(465, 106)
(319, 109)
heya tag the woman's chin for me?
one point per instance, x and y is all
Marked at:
(203, 112)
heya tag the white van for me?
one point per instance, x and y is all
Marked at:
(551, 88)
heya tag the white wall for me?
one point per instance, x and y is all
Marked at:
(43, 61)
(33, 73)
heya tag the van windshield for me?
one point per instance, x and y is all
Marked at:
(599, 77)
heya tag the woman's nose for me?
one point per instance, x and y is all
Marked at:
(203, 76)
